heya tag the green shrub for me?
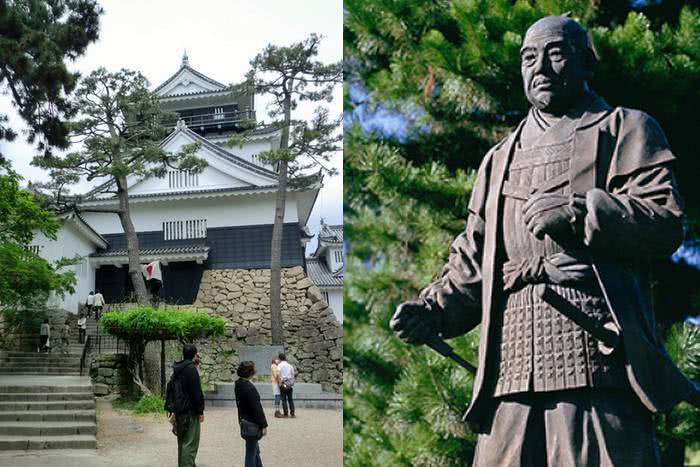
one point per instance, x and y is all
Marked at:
(150, 404)
(142, 322)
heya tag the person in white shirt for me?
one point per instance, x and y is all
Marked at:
(82, 327)
(45, 334)
(99, 303)
(90, 303)
(286, 379)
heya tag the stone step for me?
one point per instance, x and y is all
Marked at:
(306, 395)
(41, 362)
(42, 388)
(48, 356)
(57, 358)
(45, 396)
(23, 443)
(301, 390)
(45, 370)
(38, 362)
(328, 403)
(49, 416)
(47, 428)
(14, 406)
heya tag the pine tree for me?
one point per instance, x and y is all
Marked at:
(430, 86)
(35, 39)
(120, 126)
(290, 75)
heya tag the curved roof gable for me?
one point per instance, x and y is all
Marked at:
(186, 81)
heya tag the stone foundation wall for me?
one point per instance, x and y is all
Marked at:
(312, 335)
(110, 375)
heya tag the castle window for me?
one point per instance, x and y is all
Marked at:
(183, 230)
(182, 179)
(218, 113)
(35, 249)
(338, 255)
(325, 297)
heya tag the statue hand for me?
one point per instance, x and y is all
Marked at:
(414, 322)
(551, 214)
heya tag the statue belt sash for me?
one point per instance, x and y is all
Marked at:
(563, 268)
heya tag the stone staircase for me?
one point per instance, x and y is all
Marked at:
(46, 412)
(39, 363)
(44, 402)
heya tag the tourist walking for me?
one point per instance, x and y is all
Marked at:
(90, 302)
(65, 337)
(185, 399)
(274, 380)
(286, 382)
(99, 303)
(45, 335)
(82, 328)
(250, 413)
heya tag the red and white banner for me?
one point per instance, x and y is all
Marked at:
(152, 271)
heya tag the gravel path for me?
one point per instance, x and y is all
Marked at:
(313, 439)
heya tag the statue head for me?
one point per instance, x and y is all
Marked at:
(556, 60)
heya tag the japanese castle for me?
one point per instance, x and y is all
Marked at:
(221, 218)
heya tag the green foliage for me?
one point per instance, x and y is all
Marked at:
(683, 422)
(452, 69)
(148, 324)
(26, 279)
(121, 126)
(291, 74)
(150, 404)
(35, 39)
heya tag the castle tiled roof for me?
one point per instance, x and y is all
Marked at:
(320, 275)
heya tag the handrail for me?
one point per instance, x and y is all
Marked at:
(86, 347)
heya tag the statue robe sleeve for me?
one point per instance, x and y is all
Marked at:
(456, 295)
(640, 211)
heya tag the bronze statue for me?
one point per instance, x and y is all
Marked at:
(564, 218)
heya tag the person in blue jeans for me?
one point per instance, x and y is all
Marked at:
(250, 409)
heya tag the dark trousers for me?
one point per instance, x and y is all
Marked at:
(98, 311)
(188, 430)
(252, 453)
(81, 335)
(287, 399)
(577, 428)
(44, 339)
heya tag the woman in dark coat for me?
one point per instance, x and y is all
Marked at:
(249, 408)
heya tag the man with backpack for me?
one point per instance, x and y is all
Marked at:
(184, 399)
(286, 381)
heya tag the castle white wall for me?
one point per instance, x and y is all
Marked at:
(246, 153)
(334, 258)
(69, 243)
(210, 177)
(335, 301)
(227, 211)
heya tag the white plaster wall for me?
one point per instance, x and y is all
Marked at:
(335, 297)
(69, 243)
(210, 177)
(246, 153)
(251, 149)
(219, 212)
(333, 265)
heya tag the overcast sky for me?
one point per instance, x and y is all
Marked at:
(220, 37)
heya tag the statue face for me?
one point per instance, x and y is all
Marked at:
(552, 70)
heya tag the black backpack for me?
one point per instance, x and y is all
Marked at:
(176, 399)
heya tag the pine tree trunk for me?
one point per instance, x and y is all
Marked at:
(277, 229)
(132, 243)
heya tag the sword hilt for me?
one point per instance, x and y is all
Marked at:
(607, 333)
